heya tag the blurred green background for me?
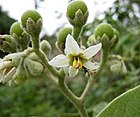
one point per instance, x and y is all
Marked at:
(38, 98)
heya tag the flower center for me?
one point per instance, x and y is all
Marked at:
(77, 63)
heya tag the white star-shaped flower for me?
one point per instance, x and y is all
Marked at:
(75, 57)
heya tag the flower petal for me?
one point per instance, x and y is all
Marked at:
(91, 51)
(59, 61)
(72, 71)
(71, 46)
(8, 76)
(5, 64)
(89, 65)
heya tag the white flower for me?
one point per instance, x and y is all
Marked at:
(75, 57)
(7, 70)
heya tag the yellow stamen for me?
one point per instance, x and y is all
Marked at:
(77, 63)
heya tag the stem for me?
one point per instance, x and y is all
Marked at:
(92, 80)
(73, 98)
(76, 33)
(82, 111)
(42, 56)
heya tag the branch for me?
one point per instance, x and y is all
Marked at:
(92, 80)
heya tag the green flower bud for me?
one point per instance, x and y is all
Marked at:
(61, 37)
(21, 74)
(21, 37)
(31, 21)
(46, 47)
(91, 40)
(102, 29)
(77, 13)
(15, 28)
(7, 43)
(107, 35)
(34, 57)
(118, 68)
(35, 68)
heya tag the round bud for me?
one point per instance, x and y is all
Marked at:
(74, 6)
(45, 47)
(91, 40)
(102, 29)
(15, 28)
(34, 15)
(62, 34)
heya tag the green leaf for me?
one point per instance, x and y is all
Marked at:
(125, 105)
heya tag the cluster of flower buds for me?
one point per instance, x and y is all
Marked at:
(16, 68)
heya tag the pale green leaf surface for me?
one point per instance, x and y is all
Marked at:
(125, 105)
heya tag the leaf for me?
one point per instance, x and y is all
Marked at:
(125, 105)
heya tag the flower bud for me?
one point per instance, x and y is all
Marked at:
(77, 13)
(7, 43)
(31, 21)
(118, 68)
(46, 47)
(91, 40)
(20, 35)
(34, 57)
(21, 74)
(106, 34)
(15, 28)
(61, 37)
(35, 68)
(102, 29)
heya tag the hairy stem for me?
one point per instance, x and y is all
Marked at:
(42, 56)
(92, 80)
(73, 98)
(76, 33)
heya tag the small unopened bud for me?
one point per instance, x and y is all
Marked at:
(34, 57)
(46, 47)
(35, 68)
(105, 34)
(118, 68)
(62, 34)
(102, 29)
(21, 74)
(20, 35)
(7, 43)
(77, 13)
(31, 21)
(91, 40)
